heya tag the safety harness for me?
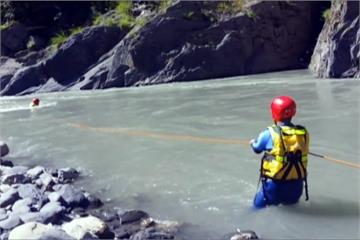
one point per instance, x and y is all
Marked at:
(288, 158)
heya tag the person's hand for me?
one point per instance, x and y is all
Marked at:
(252, 141)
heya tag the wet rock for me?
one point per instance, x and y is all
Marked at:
(132, 216)
(34, 230)
(94, 202)
(9, 197)
(72, 197)
(4, 149)
(12, 221)
(32, 217)
(47, 180)
(32, 192)
(67, 175)
(15, 175)
(78, 228)
(52, 212)
(6, 163)
(26, 80)
(35, 172)
(22, 205)
(54, 197)
(4, 187)
(3, 214)
(240, 235)
(4, 235)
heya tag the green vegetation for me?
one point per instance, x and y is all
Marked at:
(326, 15)
(76, 30)
(5, 25)
(250, 14)
(230, 6)
(59, 39)
(164, 4)
(124, 10)
(122, 16)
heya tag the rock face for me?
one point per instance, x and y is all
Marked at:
(337, 52)
(64, 67)
(190, 40)
(178, 46)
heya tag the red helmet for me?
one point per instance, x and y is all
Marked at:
(282, 108)
(35, 101)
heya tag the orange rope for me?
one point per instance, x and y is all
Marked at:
(207, 140)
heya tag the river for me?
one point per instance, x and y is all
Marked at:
(177, 152)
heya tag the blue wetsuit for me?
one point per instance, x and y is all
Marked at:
(276, 192)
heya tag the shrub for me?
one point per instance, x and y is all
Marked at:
(164, 4)
(230, 6)
(326, 14)
(58, 39)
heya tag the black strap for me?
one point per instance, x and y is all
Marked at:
(306, 190)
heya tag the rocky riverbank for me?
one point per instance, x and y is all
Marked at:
(160, 43)
(41, 203)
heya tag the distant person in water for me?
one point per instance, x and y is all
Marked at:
(35, 102)
(283, 170)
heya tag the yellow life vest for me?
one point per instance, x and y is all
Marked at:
(288, 158)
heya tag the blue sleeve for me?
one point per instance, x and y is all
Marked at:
(263, 142)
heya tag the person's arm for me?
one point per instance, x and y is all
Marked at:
(261, 143)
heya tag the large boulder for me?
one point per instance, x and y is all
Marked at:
(34, 230)
(337, 52)
(178, 46)
(90, 225)
(67, 64)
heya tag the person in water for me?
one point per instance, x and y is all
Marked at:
(283, 170)
(35, 102)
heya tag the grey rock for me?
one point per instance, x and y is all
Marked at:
(6, 163)
(8, 68)
(54, 197)
(12, 221)
(90, 225)
(34, 230)
(172, 48)
(55, 234)
(25, 79)
(132, 216)
(22, 205)
(47, 180)
(30, 191)
(9, 197)
(72, 197)
(52, 212)
(241, 235)
(35, 172)
(14, 175)
(32, 217)
(94, 202)
(66, 175)
(4, 149)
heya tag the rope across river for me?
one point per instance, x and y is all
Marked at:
(207, 140)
